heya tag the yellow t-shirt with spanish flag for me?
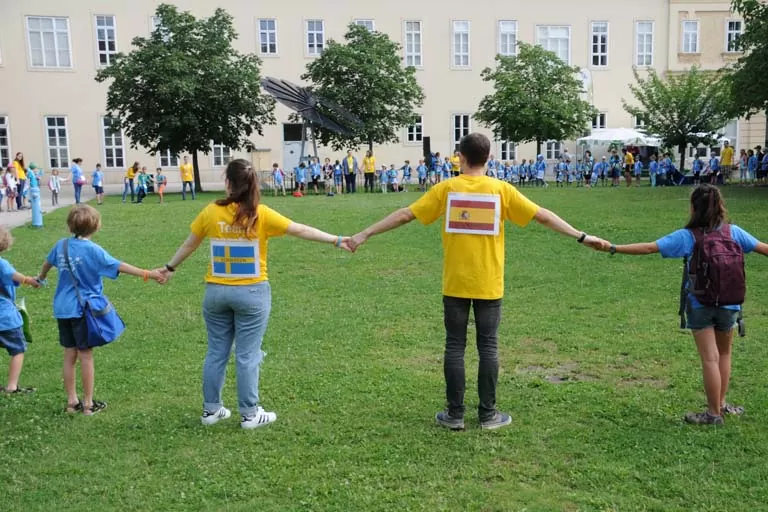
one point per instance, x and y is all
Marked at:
(369, 164)
(20, 173)
(187, 172)
(726, 158)
(237, 259)
(474, 209)
(455, 164)
(130, 173)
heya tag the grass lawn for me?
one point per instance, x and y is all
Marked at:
(595, 372)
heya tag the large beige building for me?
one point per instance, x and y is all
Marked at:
(52, 109)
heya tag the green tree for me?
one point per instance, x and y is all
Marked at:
(365, 76)
(749, 80)
(185, 86)
(536, 97)
(682, 108)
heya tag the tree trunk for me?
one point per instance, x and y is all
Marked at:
(538, 148)
(370, 146)
(198, 184)
(682, 149)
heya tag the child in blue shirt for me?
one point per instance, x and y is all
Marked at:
(278, 178)
(712, 326)
(421, 171)
(97, 181)
(570, 170)
(447, 168)
(638, 171)
(653, 169)
(406, 175)
(316, 172)
(89, 263)
(338, 177)
(493, 167)
(561, 169)
(12, 337)
(300, 176)
(541, 170)
(698, 166)
(751, 165)
(714, 169)
(392, 179)
(383, 178)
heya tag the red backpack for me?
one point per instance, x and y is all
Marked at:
(716, 268)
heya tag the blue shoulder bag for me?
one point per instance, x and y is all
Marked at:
(104, 324)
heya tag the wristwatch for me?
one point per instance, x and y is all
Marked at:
(170, 268)
(582, 238)
(612, 249)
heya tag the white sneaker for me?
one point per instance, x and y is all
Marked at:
(260, 419)
(211, 418)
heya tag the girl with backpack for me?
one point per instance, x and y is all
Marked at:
(714, 288)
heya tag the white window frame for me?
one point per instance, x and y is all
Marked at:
(507, 47)
(115, 136)
(414, 39)
(224, 156)
(56, 49)
(5, 125)
(109, 54)
(461, 49)
(684, 32)
(62, 151)
(267, 32)
(539, 39)
(639, 122)
(465, 127)
(507, 150)
(166, 160)
(643, 53)
(317, 48)
(729, 33)
(154, 23)
(599, 54)
(553, 149)
(601, 118)
(414, 133)
(368, 23)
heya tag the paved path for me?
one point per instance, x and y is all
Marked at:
(11, 220)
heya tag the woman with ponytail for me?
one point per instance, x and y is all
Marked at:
(710, 303)
(238, 297)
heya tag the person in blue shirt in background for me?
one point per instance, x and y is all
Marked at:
(638, 171)
(12, 337)
(541, 170)
(406, 175)
(614, 164)
(315, 172)
(570, 172)
(447, 168)
(78, 180)
(560, 169)
(89, 263)
(493, 167)
(665, 176)
(763, 171)
(712, 327)
(698, 166)
(714, 170)
(421, 172)
(97, 182)
(653, 169)
(751, 166)
(300, 177)
(599, 170)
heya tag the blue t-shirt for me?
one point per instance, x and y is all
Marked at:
(90, 263)
(680, 244)
(315, 169)
(10, 318)
(422, 171)
(97, 178)
(301, 174)
(337, 170)
(653, 167)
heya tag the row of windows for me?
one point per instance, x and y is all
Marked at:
(112, 144)
(50, 45)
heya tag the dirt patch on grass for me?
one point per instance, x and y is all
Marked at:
(565, 372)
(643, 381)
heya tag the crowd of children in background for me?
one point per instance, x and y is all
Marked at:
(566, 171)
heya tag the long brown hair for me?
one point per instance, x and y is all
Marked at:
(707, 208)
(244, 192)
(20, 160)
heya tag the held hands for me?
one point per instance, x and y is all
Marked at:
(356, 241)
(161, 275)
(597, 244)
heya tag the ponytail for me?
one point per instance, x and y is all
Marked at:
(244, 192)
(708, 210)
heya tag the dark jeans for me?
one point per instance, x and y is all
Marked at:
(78, 190)
(140, 194)
(20, 193)
(184, 185)
(487, 319)
(370, 179)
(350, 181)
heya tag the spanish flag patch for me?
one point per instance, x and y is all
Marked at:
(473, 214)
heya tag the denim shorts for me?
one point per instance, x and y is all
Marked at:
(13, 341)
(99, 190)
(723, 320)
(337, 179)
(73, 333)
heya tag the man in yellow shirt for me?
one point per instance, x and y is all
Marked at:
(726, 162)
(369, 170)
(629, 164)
(187, 179)
(474, 207)
(455, 164)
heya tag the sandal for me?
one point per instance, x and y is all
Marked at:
(94, 408)
(74, 408)
(734, 410)
(19, 391)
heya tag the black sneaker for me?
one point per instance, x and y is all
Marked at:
(703, 418)
(446, 420)
(496, 421)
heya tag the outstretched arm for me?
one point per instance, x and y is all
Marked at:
(555, 223)
(394, 220)
(637, 249)
(44, 270)
(762, 248)
(22, 279)
(315, 235)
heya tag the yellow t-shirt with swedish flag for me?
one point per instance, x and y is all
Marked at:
(187, 172)
(369, 164)
(474, 209)
(234, 258)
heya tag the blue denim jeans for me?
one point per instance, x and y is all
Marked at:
(184, 185)
(78, 190)
(128, 185)
(239, 315)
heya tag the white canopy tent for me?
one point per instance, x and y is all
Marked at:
(622, 136)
